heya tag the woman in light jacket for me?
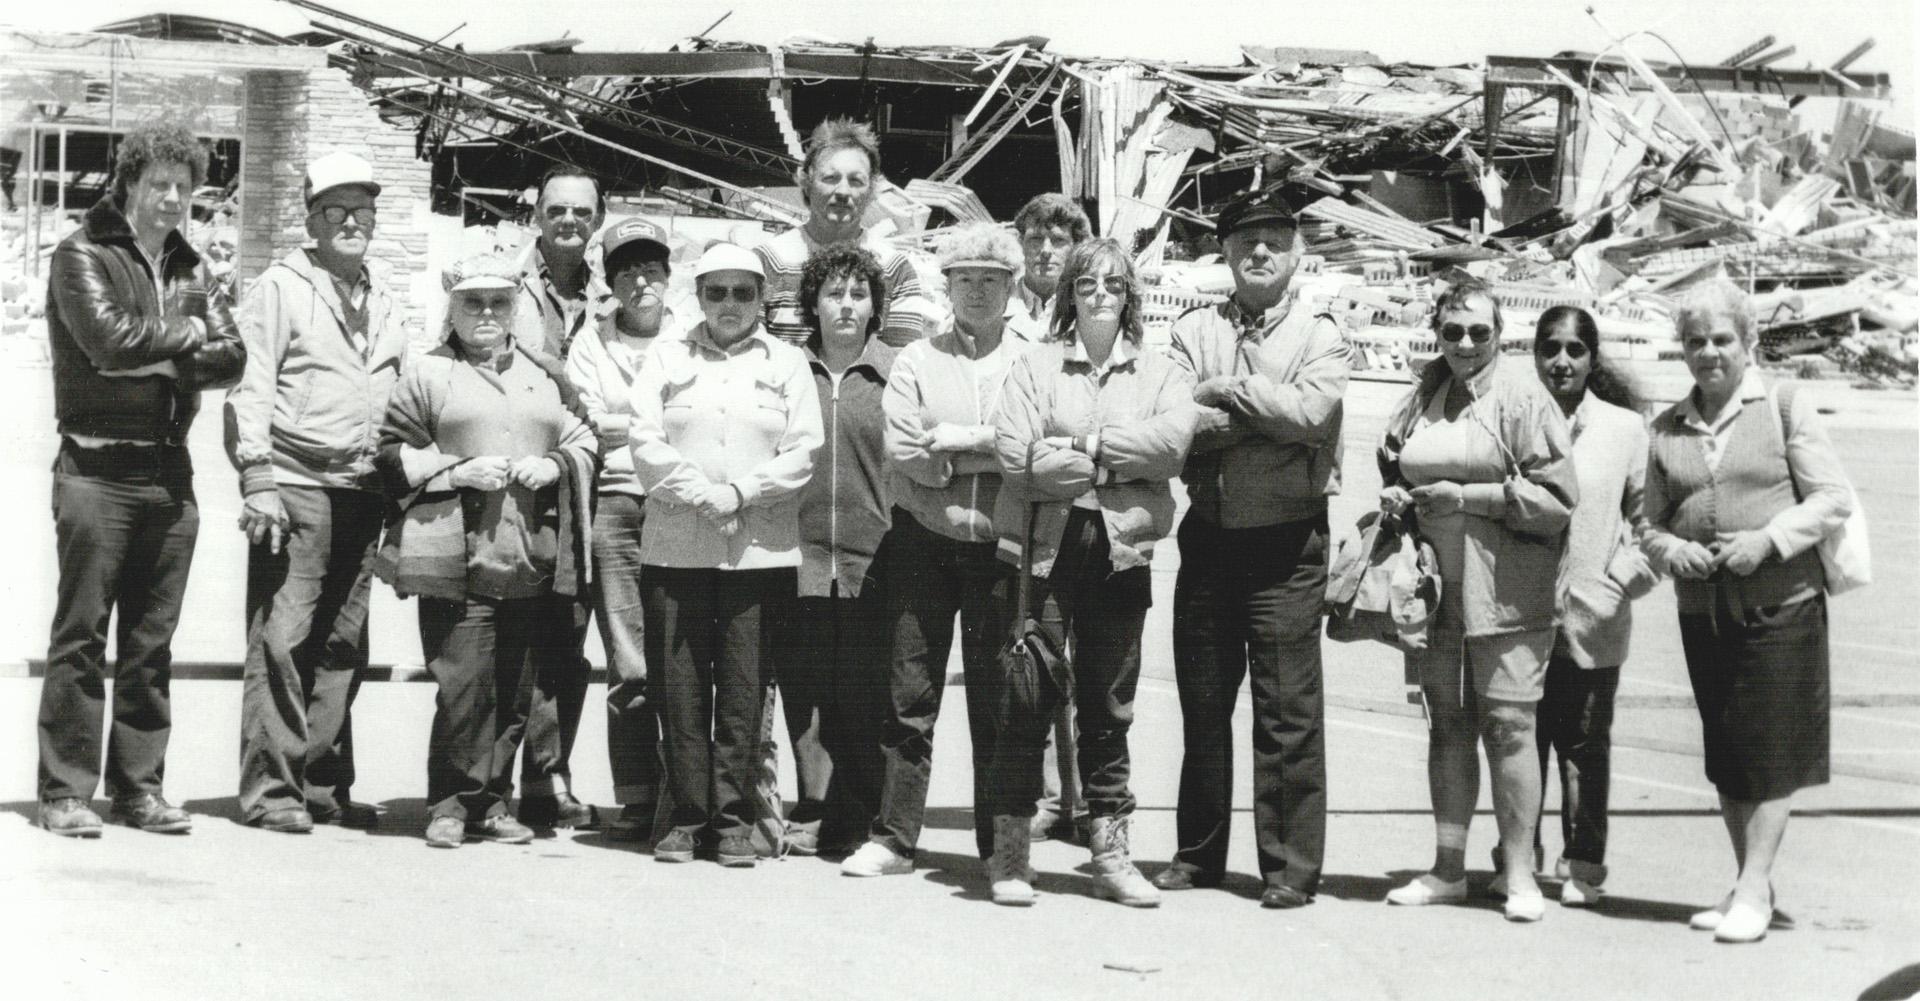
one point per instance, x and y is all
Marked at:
(830, 644)
(1092, 428)
(492, 473)
(1742, 484)
(1480, 454)
(1603, 574)
(725, 424)
(939, 408)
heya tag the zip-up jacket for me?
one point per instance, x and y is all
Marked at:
(106, 312)
(845, 508)
(308, 409)
(938, 381)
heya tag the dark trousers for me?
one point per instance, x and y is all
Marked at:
(1099, 614)
(489, 657)
(1576, 722)
(306, 652)
(125, 522)
(1247, 605)
(633, 725)
(553, 720)
(930, 578)
(830, 665)
(708, 644)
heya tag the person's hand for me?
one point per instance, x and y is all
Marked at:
(485, 472)
(720, 504)
(1692, 561)
(1394, 501)
(1214, 392)
(947, 437)
(1742, 552)
(264, 519)
(1437, 500)
(165, 367)
(611, 429)
(534, 472)
(1058, 440)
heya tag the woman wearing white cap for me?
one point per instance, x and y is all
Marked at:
(492, 473)
(725, 423)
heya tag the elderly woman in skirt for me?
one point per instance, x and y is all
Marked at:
(1742, 484)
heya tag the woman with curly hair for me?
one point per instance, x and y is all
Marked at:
(830, 650)
(1603, 574)
(1479, 454)
(1092, 429)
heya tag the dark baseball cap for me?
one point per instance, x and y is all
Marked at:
(635, 237)
(1249, 212)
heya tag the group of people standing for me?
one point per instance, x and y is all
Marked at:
(800, 488)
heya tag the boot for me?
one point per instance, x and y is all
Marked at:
(1008, 871)
(1115, 878)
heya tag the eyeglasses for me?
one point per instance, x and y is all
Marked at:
(1452, 332)
(721, 293)
(563, 211)
(1086, 284)
(477, 305)
(337, 214)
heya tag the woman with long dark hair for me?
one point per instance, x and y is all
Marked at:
(1603, 573)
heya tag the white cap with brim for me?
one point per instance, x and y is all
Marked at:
(482, 271)
(337, 170)
(729, 257)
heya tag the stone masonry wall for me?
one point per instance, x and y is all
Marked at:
(294, 117)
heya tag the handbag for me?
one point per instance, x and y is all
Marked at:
(1031, 663)
(1383, 584)
(1844, 553)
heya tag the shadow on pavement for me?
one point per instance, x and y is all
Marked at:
(1896, 986)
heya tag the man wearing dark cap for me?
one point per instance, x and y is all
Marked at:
(324, 350)
(1253, 559)
(602, 365)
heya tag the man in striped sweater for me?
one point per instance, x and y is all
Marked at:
(838, 181)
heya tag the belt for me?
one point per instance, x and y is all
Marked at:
(127, 460)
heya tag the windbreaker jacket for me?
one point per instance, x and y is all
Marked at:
(1271, 453)
(603, 378)
(105, 313)
(939, 381)
(308, 409)
(845, 509)
(1140, 405)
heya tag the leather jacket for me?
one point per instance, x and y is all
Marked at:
(105, 313)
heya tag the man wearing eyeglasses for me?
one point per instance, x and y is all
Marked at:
(324, 350)
(555, 302)
(1253, 559)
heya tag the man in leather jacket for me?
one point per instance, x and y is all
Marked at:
(134, 341)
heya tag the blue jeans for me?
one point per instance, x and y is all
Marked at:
(633, 724)
(1576, 720)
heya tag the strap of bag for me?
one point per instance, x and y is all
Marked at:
(1781, 397)
(1021, 591)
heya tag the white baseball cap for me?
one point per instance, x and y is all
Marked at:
(336, 170)
(729, 257)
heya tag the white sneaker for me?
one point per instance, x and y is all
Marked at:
(875, 859)
(1709, 920)
(1579, 893)
(1525, 907)
(1429, 889)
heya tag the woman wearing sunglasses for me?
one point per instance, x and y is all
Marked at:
(725, 424)
(1091, 428)
(1479, 455)
(492, 472)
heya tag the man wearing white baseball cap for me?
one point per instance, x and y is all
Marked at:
(324, 350)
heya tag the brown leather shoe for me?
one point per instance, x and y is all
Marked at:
(291, 820)
(361, 816)
(70, 817)
(1181, 876)
(1280, 897)
(151, 812)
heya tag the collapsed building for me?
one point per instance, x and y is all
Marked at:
(1595, 179)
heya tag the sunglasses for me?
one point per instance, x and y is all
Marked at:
(563, 211)
(721, 293)
(1086, 284)
(1452, 332)
(337, 214)
(478, 305)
